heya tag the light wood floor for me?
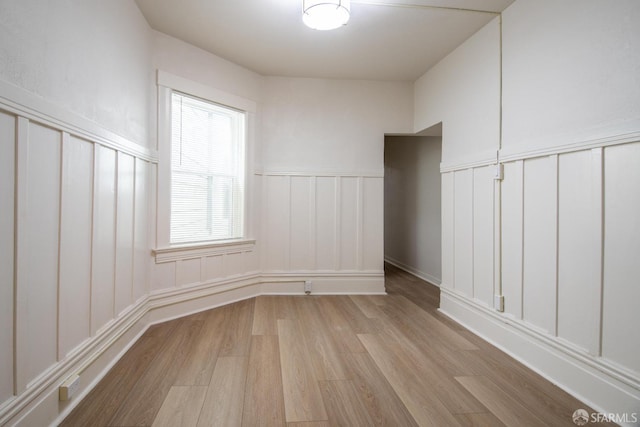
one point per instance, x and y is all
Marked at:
(322, 361)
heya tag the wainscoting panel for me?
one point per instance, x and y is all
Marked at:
(448, 211)
(540, 242)
(38, 221)
(104, 239)
(579, 249)
(349, 223)
(463, 232)
(326, 215)
(79, 194)
(124, 232)
(512, 219)
(7, 188)
(483, 234)
(570, 236)
(621, 293)
(322, 224)
(302, 245)
(371, 234)
(75, 243)
(143, 185)
(277, 203)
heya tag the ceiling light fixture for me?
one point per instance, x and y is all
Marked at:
(325, 14)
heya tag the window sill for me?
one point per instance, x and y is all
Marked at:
(199, 250)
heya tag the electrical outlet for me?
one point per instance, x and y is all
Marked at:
(498, 173)
(307, 286)
(498, 302)
(69, 388)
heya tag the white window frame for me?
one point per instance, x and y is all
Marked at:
(167, 84)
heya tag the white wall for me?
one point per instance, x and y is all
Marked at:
(412, 231)
(469, 109)
(564, 252)
(90, 58)
(576, 65)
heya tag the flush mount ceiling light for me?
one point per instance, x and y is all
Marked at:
(325, 14)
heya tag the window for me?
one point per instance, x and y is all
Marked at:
(207, 171)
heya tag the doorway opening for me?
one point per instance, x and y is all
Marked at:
(412, 203)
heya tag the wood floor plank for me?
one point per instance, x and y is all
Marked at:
(339, 327)
(181, 407)
(402, 311)
(145, 399)
(268, 361)
(425, 408)
(485, 419)
(383, 404)
(430, 375)
(501, 404)
(200, 361)
(344, 405)
(323, 351)
(105, 399)
(237, 329)
(310, 424)
(302, 396)
(265, 320)
(223, 403)
(263, 398)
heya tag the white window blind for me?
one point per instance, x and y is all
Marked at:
(207, 171)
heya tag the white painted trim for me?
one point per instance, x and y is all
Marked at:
(588, 378)
(470, 164)
(414, 271)
(178, 252)
(511, 154)
(22, 103)
(324, 174)
(209, 93)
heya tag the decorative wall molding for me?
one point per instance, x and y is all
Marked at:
(509, 154)
(325, 174)
(22, 103)
(202, 250)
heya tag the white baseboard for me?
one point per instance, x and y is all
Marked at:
(419, 274)
(39, 405)
(581, 375)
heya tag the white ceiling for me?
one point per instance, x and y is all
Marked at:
(384, 40)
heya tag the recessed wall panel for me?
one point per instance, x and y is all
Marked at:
(512, 205)
(620, 337)
(277, 222)
(39, 281)
(75, 243)
(143, 222)
(579, 245)
(372, 223)
(539, 264)
(463, 231)
(104, 239)
(447, 230)
(326, 245)
(349, 223)
(483, 233)
(301, 226)
(124, 233)
(7, 205)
